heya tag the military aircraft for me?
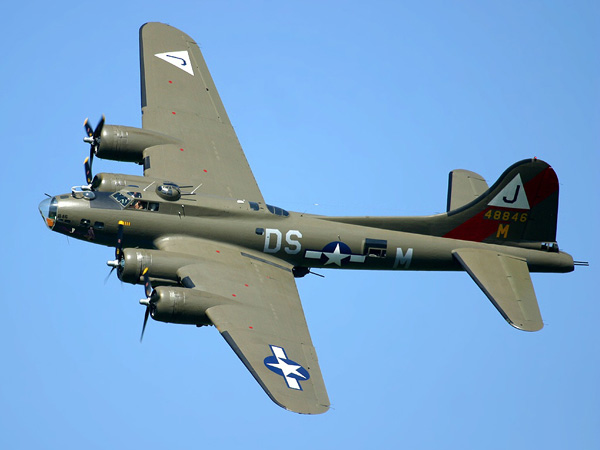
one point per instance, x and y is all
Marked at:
(196, 231)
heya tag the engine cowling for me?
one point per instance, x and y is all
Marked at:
(120, 143)
(161, 265)
(112, 182)
(183, 306)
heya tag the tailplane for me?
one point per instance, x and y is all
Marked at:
(505, 280)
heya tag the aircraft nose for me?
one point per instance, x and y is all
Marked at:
(48, 211)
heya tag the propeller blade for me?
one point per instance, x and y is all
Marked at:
(147, 285)
(119, 247)
(98, 130)
(93, 138)
(109, 274)
(148, 292)
(88, 129)
(87, 164)
(146, 314)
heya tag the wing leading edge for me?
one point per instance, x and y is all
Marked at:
(262, 319)
(179, 99)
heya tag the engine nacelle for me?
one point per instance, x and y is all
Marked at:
(120, 143)
(112, 182)
(161, 265)
(183, 306)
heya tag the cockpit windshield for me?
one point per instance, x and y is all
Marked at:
(121, 198)
(133, 200)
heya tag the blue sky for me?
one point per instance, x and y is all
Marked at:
(342, 108)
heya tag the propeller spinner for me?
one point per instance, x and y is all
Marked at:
(93, 138)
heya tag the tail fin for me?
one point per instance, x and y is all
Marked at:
(522, 206)
(464, 186)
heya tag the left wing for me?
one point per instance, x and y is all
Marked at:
(264, 323)
(179, 99)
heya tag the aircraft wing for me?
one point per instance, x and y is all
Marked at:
(179, 99)
(262, 318)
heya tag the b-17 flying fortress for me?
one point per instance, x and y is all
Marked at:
(196, 231)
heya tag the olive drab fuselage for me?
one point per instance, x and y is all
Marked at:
(303, 240)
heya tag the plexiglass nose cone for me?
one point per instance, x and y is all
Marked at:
(45, 212)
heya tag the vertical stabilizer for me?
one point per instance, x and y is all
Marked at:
(522, 206)
(464, 186)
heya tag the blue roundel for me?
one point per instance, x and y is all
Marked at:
(331, 247)
(291, 371)
(337, 253)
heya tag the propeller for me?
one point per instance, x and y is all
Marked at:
(146, 301)
(118, 249)
(92, 138)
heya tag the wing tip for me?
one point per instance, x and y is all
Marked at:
(318, 409)
(530, 326)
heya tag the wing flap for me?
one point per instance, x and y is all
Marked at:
(505, 280)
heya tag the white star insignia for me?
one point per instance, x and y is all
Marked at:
(287, 369)
(335, 257)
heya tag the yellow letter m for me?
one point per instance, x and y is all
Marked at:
(503, 230)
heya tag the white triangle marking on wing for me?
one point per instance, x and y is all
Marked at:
(179, 59)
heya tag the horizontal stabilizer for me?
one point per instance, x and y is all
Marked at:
(506, 282)
(464, 186)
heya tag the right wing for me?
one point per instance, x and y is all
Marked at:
(261, 318)
(505, 280)
(179, 99)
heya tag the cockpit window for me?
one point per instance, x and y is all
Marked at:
(143, 205)
(277, 211)
(139, 204)
(120, 198)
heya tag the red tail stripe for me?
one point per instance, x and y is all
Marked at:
(542, 186)
(477, 228)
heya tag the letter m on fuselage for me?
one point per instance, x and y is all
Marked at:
(403, 259)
